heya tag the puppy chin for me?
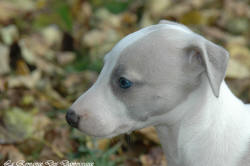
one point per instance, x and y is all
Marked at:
(93, 132)
(105, 133)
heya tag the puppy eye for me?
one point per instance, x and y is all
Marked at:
(124, 83)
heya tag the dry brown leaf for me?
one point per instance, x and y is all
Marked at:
(129, 18)
(9, 10)
(10, 152)
(3, 87)
(37, 45)
(178, 10)
(155, 157)
(94, 38)
(150, 133)
(53, 36)
(4, 59)
(82, 11)
(240, 8)
(146, 20)
(29, 81)
(107, 19)
(22, 68)
(51, 96)
(103, 143)
(9, 34)
(157, 7)
(192, 17)
(64, 58)
(240, 54)
(215, 33)
(236, 70)
(37, 52)
(41, 124)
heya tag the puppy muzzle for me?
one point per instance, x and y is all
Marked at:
(72, 118)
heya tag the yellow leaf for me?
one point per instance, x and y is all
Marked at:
(150, 133)
(192, 17)
(22, 68)
(103, 143)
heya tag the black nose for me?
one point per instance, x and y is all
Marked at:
(72, 118)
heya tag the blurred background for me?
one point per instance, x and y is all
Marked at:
(51, 51)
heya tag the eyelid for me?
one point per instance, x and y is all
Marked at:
(133, 75)
(135, 82)
(131, 79)
(127, 78)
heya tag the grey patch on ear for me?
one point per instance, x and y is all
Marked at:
(215, 60)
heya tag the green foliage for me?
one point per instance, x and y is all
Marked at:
(114, 6)
(238, 25)
(99, 157)
(19, 122)
(64, 12)
(84, 62)
(60, 14)
(55, 113)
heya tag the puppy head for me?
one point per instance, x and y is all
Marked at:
(147, 74)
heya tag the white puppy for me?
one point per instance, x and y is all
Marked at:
(167, 76)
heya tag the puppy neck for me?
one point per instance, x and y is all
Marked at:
(193, 125)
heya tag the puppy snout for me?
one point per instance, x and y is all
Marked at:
(72, 118)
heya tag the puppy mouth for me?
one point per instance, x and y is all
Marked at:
(118, 131)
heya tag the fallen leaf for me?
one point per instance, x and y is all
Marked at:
(22, 68)
(29, 81)
(154, 157)
(238, 25)
(9, 34)
(9, 10)
(107, 19)
(240, 53)
(150, 133)
(10, 152)
(94, 38)
(236, 70)
(192, 18)
(4, 59)
(53, 36)
(215, 33)
(146, 20)
(64, 58)
(53, 97)
(18, 124)
(103, 143)
(157, 7)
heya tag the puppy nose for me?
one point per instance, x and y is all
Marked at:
(72, 118)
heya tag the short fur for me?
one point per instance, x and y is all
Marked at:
(178, 87)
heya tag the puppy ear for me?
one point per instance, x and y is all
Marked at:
(214, 59)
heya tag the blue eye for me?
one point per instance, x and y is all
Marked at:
(124, 83)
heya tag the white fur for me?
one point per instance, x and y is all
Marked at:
(212, 133)
(203, 130)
